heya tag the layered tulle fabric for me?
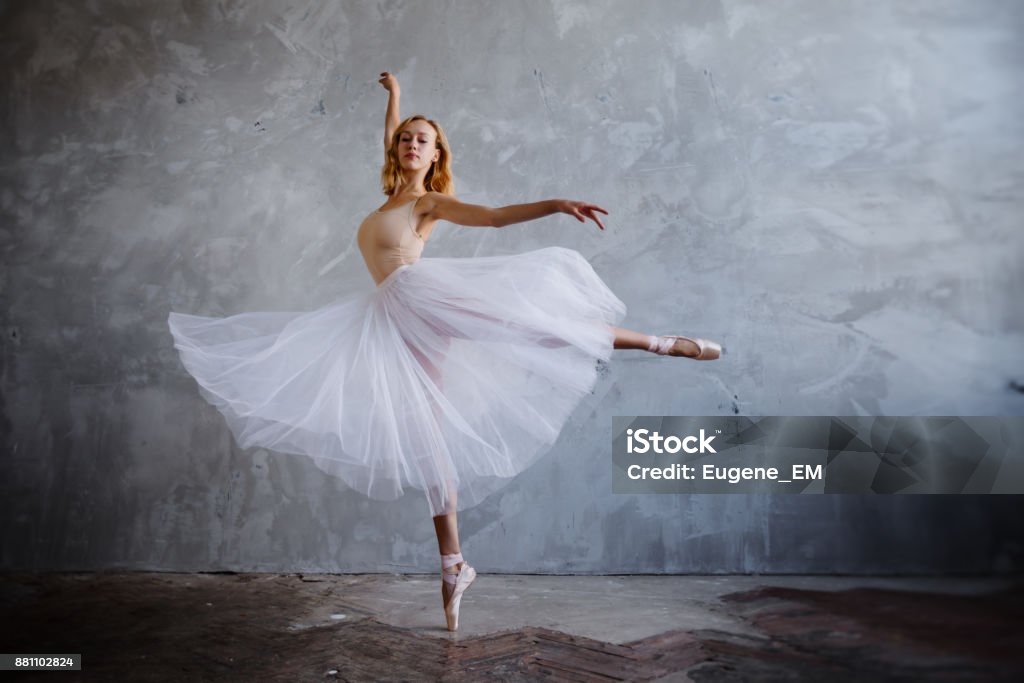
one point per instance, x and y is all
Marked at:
(451, 376)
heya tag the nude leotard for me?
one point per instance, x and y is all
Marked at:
(388, 240)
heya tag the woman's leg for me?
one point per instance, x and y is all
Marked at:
(444, 497)
(447, 529)
(624, 338)
(631, 339)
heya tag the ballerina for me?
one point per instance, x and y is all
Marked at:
(452, 376)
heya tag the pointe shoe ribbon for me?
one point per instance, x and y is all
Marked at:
(459, 578)
(666, 346)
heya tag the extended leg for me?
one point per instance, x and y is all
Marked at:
(501, 330)
(630, 339)
(624, 339)
(700, 349)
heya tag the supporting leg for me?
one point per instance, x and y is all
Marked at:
(447, 529)
(456, 574)
(444, 499)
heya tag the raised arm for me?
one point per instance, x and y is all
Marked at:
(391, 118)
(448, 208)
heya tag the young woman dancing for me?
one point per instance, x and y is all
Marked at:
(451, 376)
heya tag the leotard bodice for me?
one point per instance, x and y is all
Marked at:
(388, 239)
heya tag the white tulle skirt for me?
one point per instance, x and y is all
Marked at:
(451, 376)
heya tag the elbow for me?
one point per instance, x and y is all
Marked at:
(496, 219)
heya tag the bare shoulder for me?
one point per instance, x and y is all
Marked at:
(434, 199)
(433, 202)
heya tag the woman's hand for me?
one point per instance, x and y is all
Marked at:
(389, 81)
(582, 211)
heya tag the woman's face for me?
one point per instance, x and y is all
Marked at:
(417, 146)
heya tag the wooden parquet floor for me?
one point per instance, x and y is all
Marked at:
(252, 627)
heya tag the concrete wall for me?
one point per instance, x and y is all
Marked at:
(834, 190)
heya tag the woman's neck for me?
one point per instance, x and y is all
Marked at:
(413, 189)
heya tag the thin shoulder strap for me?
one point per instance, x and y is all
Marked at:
(412, 205)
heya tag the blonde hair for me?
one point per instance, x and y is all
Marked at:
(439, 177)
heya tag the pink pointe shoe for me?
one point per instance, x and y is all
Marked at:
(460, 579)
(669, 346)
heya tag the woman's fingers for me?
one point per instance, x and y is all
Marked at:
(582, 214)
(582, 211)
(590, 209)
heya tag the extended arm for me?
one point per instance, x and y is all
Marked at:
(446, 207)
(391, 118)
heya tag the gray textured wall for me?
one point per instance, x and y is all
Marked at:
(834, 190)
